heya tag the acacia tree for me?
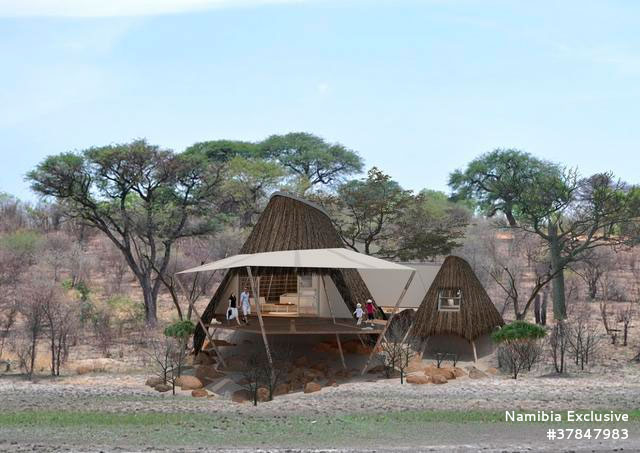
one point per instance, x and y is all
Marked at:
(249, 176)
(311, 160)
(572, 215)
(430, 226)
(366, 210)
(497, 180)
(141, 197)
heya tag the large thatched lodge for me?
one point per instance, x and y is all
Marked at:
(310, 286)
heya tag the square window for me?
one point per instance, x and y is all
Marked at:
(449, 299)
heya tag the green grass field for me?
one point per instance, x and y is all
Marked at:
(194, 429)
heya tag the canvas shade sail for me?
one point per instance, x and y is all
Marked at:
(333, 258)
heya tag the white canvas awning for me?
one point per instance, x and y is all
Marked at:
(336, 258)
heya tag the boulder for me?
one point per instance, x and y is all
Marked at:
(418, 379)
(350, 346)
(491, 370)
(356, 347)
(446, 372)
(311, 375)
(199, 393)
(458, 372)
(153, 381)
(281, 389)
(163, 388)
(475, 373)
(439, 379)
(312, 387)
(188, 383)
(207, 373)
(301, 361)
(324, 347)
(241, 396)
(322, 367)
(263, 394)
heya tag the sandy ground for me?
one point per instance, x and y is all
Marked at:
(124, 393)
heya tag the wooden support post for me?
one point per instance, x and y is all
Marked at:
(475, 354)
(344, 364)
(324, 286)
(206, 331)
(386, 326)
(256, 297)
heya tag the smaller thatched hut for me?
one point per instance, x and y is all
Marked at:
(456, 312)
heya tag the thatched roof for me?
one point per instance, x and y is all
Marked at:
(477, 315)
(291, 223)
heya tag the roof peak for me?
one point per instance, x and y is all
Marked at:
(301, 200)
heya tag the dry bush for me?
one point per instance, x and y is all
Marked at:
(62, 318)
(559, 344)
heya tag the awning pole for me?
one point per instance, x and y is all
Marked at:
(324, 286)
(195, 312)
(256, 297)
(386, 326)
(344, 364)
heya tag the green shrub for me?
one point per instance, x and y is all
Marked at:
(24, 243)
(520, 347)
(180, 329)
(518, 330)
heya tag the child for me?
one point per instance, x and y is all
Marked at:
(371, 311)
(359, 313)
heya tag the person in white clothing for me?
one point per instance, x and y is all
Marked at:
(246, 306)
(359, 314)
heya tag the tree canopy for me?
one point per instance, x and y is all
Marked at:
(570, 213)
(311, 160)
(142, 197)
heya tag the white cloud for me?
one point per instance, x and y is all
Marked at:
(111, 8)
(323, 87)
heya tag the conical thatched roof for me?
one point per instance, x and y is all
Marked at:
(291, 223)
(477, 315)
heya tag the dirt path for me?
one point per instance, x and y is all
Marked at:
(82, 412)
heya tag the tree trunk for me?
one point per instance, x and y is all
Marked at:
(559, 306)
(150, 311)
(53, 354)
(33, 357)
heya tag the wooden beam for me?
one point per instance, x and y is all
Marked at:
(344, 364)
(475, 354)
(206, 330)
(395, 308)
(256, 297)
(324, 286)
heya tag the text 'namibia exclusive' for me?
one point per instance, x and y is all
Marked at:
(566, 416)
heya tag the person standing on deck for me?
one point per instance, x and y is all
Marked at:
(359, 314)
(244, 303)
(371, 311)
(232, 311)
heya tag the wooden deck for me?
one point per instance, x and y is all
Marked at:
(280, 325)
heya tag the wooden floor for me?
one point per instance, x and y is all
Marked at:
(301, 326)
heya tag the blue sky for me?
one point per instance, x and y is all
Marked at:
(419, 88)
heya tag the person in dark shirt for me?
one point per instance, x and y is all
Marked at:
(232, 311)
